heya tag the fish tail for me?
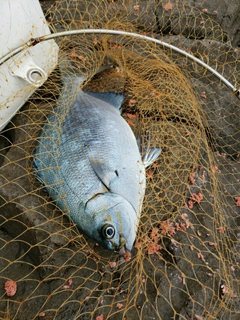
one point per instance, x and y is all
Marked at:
(72, 79)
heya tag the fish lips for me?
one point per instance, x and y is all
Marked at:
(117, 247)
(121, 247)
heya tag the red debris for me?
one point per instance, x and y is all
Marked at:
(150, 242)
(167, 227)
(66, 287)
(200, 256)
(127, 256)
(153, 247)
(214, 169)
(183, 226)
(154, 234)
(222, 155)
(191, 178)
(136, 7)
(132, 103)
(10, 288)
(112, 264)
(149, 173)
(131, 115)
(138, 245)
(197, 197)
(42, 314)
(237, 199)
(214, 244)
(224, 288)
(194, 198)
(189, 204)
(221, 229)
(130, 122)
(202, 176)
(168, 6)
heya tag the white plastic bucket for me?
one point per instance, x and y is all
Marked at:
(21, 75)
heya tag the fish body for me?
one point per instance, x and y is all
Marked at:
(89, 161)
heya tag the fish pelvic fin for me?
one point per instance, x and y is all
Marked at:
(151, 156)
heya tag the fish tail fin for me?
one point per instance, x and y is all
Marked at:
(73, 76)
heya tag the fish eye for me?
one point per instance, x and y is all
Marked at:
(108, 231)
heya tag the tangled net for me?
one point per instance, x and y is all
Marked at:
(185, 263)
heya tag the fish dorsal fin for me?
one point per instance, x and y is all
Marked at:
(104, 173)
(114, 99)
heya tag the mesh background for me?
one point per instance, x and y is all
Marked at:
(185, 262)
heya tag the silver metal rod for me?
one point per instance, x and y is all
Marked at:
(35, 41)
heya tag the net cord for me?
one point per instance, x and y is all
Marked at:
(34, 41)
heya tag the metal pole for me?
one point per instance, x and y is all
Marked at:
(35, 41)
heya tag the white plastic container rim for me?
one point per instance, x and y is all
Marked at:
(20, 76)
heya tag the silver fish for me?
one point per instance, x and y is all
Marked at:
(89, 161)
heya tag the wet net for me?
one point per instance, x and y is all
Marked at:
(185, 260)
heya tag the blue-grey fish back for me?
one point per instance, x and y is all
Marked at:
(112, 98)
(69, 146)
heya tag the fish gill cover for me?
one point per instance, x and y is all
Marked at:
(185, 260)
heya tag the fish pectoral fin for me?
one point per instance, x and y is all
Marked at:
(151, 156)
(104, 173)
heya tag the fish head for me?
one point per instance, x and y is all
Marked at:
(113, 221)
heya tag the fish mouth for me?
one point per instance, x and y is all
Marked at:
(123, 242)
(122, 246)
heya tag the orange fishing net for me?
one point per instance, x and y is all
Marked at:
(185, 261)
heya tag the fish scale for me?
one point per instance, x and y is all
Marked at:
(88, 159)
(102, 145)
